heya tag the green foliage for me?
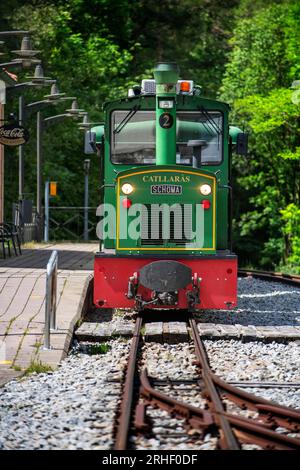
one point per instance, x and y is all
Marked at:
(37, 367)
(100, 348)
(95, 50)
(270, 112)
(246, 51)
(291, 219)
(263, 63)
(258, 60)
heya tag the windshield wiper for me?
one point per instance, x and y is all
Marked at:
(126, 119)
(213, 124)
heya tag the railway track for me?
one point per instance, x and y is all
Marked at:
(232, 430)
(291, 279)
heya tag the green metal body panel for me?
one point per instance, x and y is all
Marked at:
(233, 132)
(189, 180)
(166, 76)
(99, 133)
(113, 172)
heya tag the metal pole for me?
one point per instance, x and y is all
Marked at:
(1, 169)
(50, 300)
(21, 150)
(86, 205)
(53, 297)
(2, 103)
(47, 314)
(166, 76)
(46, 232)
(39, 163)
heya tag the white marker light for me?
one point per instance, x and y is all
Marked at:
(166, 104)
(127, 188)
(205, 189)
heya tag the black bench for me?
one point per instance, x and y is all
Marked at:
(9, 232)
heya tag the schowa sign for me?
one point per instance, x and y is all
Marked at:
(13, 135)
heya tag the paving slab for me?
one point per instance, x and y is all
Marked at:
(22, 304)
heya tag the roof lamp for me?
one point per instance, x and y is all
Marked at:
(166, 104)
(185, 87)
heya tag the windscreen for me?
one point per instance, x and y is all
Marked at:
(133, 137)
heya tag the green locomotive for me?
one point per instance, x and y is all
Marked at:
(166, 198)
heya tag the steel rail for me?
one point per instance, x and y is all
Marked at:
(241, 384)
(268, 411)
(271, 415)
(124, 418)
(247, 430)
(227, 439)
(248, 384)
(291, 279)
(196, 417)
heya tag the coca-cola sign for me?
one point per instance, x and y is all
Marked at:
(13, 134)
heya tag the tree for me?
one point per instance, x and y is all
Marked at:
(263, 63)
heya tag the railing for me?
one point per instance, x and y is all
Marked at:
(29, 231)
(51, 296)
(67, 222)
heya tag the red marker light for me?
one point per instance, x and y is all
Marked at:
(205, 203)
(126, 203)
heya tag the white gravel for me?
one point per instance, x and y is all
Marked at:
(260, 303)
(174, 362)
(255, 361)
(71, 408)
(232, 361)
(74, 407)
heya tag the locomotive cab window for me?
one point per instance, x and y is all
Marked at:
(133, 137)
(198, 133)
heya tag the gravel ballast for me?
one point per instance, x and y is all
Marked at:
(71, 408)
(74, 406)
(259, 303)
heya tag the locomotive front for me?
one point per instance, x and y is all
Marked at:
(165, 212)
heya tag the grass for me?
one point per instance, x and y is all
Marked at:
(29, 245)
(38, 367)
(79, 322)
(101, 348)
(118, 312)
(288, 269)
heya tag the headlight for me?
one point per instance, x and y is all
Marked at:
(127, 188)
(205, 189)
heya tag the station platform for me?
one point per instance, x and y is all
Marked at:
(22, 304)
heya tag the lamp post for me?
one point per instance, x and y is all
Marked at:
(84, 125)
(26, 57)
(2, 103)
(42, 124)
(25, 111)
(86, 167)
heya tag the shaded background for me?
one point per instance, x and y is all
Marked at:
(244, 52)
